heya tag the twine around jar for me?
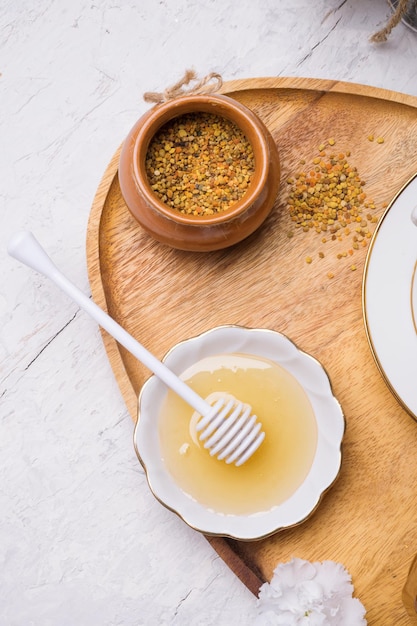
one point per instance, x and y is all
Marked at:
(382, 35)
(205, 85)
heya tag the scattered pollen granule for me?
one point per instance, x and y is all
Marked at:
(328, 198)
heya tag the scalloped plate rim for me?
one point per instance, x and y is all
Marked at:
(305, 499)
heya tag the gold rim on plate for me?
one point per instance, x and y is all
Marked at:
(330, 420)
(389, 297)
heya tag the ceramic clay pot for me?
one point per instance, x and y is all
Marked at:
(193, 232)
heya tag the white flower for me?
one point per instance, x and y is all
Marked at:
(309, 594)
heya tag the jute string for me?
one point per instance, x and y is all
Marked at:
(209, 84)
(382, 35)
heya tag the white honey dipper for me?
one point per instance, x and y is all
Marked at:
(227, 428)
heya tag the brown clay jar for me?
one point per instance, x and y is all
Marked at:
(199, 232)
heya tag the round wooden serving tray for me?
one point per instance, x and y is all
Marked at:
(367, 521)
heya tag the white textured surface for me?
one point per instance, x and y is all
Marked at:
(82, 541)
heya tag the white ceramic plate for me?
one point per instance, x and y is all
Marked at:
(390, 297)
(330, 422)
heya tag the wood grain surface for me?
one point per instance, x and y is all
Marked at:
(367, 521)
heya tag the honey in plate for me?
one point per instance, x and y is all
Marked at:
(276, 469)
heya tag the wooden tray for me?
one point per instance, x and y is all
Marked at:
(367, 521)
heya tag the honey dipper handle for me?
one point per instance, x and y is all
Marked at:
(25, 248)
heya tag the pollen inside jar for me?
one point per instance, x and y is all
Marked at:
(276, 469)
(199, 164)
